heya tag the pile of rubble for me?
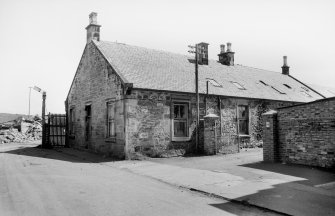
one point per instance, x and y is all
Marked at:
(32, 131)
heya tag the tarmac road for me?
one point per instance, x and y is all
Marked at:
(36, 181)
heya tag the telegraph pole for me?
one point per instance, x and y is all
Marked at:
(196, 51)
(44, 95)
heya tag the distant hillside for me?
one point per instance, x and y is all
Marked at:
(5, 117)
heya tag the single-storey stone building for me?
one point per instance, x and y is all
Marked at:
(126, 99)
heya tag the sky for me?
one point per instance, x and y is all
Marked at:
(41, 41)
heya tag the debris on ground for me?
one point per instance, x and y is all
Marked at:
(23, 130)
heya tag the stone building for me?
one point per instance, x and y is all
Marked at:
(126, 99)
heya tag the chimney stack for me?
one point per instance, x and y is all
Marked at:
(285, 68)
(226, 58)
(203, 53)
(93, 29)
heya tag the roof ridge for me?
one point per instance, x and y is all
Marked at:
(164, 51)
(141, 47)
(257, 68)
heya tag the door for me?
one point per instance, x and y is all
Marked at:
(88, 125)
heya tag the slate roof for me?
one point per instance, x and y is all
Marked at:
(160, 70)
(324, 90)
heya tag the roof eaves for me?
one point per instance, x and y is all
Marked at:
(220, 95)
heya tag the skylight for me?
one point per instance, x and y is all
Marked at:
(214, 83)
(287, 86)
(239, 86)
(263, 83)
(305, 88)
(278, 90)
(305, 94)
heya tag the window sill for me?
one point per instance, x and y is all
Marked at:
(244, 135)
(181, 139)
(110, 139)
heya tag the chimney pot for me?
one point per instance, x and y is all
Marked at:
(222, 47)
(226, 58)
(285, 67)
(93, 18)
(285, 60)
(228, 47)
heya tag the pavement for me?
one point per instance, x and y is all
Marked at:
(243, 178)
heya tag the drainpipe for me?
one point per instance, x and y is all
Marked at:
(127, 86)
(220, 115)
(126, 153)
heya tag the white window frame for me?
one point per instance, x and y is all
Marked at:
(187, 137)
(240, 118)
(110, 120)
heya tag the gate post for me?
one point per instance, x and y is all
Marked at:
(44, 95)
(270, 137)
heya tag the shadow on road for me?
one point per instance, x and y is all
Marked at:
(313, 176)
(63, 154)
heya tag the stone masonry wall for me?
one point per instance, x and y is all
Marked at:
(307, 133)
(149, 129)
(148, 114)
(96, 83)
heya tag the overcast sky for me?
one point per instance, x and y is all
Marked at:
(41, 41)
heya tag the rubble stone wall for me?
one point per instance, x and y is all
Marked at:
(149, 121)
(96, 83)
(307, 133)
(148, 127)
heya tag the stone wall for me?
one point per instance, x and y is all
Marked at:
(148, 113)
(149, 129)
(96, 83)
(306, 134)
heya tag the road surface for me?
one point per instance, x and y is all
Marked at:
(37, 181)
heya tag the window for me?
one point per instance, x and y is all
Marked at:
(263, 83)
(305, 88)
(110, 119)
(243, 119)
(287, 86)
(214, 83)
(280, 92)
(180, 120)
(87, 122)
(239, 86)
(305, 94)
(72, 121)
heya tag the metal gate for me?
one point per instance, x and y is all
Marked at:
(55, 131)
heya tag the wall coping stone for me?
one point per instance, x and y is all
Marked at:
(211, 115)
(270, 112)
